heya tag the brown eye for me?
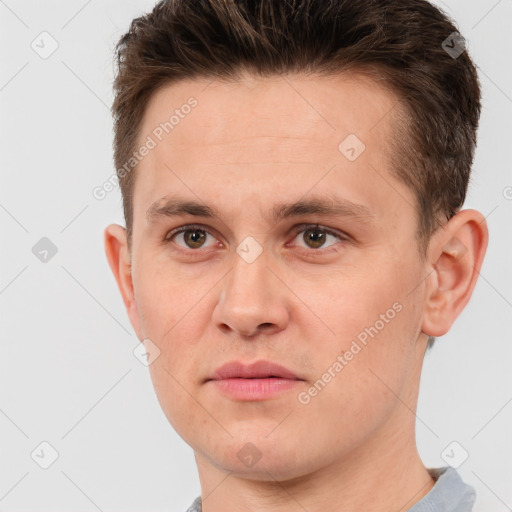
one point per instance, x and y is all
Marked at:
(314, 238)
(190, 237)
(194, 238)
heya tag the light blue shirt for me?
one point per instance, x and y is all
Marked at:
(449, 494)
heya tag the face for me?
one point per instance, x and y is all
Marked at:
(305, 257)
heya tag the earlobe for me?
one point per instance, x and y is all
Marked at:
(456, 253)
(116, 249)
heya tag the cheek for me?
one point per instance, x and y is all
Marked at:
(167, 300)
(182, 411)
(374, 296)
(375, 315)
(371, 363)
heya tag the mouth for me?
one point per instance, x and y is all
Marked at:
(258, 381)
(257, 370)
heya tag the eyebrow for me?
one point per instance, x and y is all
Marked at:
(316, 205)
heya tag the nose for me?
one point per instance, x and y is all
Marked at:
(253, 299)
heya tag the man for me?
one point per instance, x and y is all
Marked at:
(292, 175)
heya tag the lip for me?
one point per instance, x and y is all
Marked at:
(258, 370)
(257, 381)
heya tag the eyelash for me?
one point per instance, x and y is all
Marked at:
(296, 230)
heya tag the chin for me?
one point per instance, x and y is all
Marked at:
(263, 459)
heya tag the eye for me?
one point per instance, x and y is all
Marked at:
(315, 236)
(194, 237)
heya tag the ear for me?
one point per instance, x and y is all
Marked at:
(455, 256)
(119, 259)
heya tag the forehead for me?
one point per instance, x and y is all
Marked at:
(260, 137)
(275, 106)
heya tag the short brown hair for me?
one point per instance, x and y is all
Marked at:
(402, 44)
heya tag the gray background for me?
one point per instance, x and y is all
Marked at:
(68, 375)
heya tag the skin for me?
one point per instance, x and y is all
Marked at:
(246, 146)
